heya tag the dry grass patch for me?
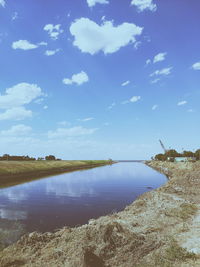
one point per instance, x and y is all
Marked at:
(184, 212)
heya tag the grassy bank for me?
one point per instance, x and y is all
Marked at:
(160, 228)
(15, 172)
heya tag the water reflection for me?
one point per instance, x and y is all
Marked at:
(74, 198)
(12, 215)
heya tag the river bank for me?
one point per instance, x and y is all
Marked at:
(16, 172)
(160, 228)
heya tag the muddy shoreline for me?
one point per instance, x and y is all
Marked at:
(160, 228)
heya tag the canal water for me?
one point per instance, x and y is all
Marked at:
(71, 199)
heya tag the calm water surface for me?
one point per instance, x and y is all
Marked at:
(72, 199)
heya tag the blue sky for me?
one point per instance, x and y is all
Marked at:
(93, 79)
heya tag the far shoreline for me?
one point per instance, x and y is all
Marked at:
(18, 172)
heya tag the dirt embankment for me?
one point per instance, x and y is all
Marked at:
(160, 228)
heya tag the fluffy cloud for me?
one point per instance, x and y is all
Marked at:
(24, 45)
(2, 3)
(53, 30)
(165, 71)
(51, 52)
(92, 3)
(144, 5)
(17, 113)
(14, 99)
(181, 103)
(17, 130)
(148, 61)
(71, 132)
(92, 38)
(125, 83)
(78, 79)
(196, 66)
(20, 94)
(154, 107)
(135, 99)
(159, 57)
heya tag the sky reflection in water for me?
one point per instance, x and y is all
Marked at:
(73, 198)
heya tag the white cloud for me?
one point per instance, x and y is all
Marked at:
(196, 66)
(87, 119)
(17, 130)
(155, 81)
(17, 113)
(191, 110)
(2, 3)
(181, 103)
(131, 100)
(71, 132)
(159, 57)
(43, 43)
(92, 3)
(45, 107)
(53, 30)
(135, 99)
(148, 61)
(14, 16)
(78, 79)
(93, 38)
(125, 83)
(112, 105)
(51, 52)
(137, 44)
(154, 107)
(24, 45)
(39, 101)
(14, 99)
(165, 71)
(20, 94)
(144, 5)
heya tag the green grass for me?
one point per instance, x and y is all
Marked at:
(15, 172)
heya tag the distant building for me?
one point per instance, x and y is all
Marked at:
(184, 159)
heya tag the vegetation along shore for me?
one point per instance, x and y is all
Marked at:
(160, 228)
(14, 172)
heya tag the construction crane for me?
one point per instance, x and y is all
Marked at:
(163, 147)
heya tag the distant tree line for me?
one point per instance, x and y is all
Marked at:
(26, 158)
(172, 153)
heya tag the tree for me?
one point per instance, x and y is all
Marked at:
(50, 157)
(188, 154)
(197, 154)
(172, 153)
(161, 157)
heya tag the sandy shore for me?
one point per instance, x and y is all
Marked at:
(160, 228)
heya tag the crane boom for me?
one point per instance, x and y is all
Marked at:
(162, 145)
